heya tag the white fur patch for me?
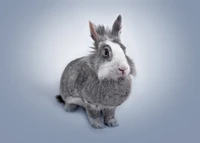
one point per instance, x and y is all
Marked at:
(74, 100)
(111, 69)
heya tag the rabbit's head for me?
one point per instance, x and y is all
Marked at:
(109, 55)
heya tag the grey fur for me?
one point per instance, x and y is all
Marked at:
(109, 117)
(94, 118)
(81, 86)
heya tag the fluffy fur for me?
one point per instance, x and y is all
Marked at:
(100, 81)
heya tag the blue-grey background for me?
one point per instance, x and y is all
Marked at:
(38, 38)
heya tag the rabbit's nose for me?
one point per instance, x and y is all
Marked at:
(122, 69)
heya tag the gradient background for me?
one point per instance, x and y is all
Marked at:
(38, 38)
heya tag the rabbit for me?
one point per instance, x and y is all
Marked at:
(100, 81)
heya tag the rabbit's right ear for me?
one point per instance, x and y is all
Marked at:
(116, 29)
(93, 31)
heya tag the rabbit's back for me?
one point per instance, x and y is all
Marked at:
(74, 77)
(68, 78)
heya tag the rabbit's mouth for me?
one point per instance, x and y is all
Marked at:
(123, 75)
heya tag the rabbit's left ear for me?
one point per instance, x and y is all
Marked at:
(116, 28)
(93, 31)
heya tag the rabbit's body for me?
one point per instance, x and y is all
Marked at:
(80, 85)
(100, 81)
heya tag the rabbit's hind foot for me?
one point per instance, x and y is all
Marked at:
(70, 107)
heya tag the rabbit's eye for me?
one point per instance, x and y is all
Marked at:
(106, 53)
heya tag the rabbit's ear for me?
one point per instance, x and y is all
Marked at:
(116, 28)
(93, 31)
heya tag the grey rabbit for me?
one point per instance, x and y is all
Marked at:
(100, 81)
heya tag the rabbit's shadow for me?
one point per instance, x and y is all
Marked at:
(79, 110)
(47, 93)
